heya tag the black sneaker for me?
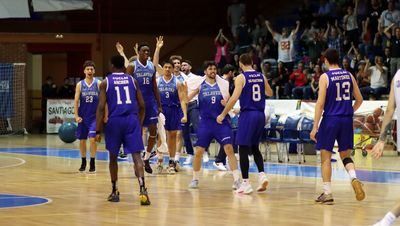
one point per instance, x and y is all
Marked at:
(92, 169)
(177, 167)
(144, 197)
(83, 167)
(147, 166)
(113, 197)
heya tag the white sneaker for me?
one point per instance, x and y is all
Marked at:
(263, 183)
(163, 148)
(245, 188)
(188, 160)
(205, 157)
(220, 166)
(194, 184)
(379, 223)
(159, 168)
(236, 184)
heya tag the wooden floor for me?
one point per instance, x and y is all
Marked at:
(80, 199)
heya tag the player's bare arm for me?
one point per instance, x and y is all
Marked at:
(101, 109)
(182, 99)
(239, 84)
(140, 101)
(76, 102)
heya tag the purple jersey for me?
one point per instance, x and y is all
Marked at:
(89, 99)
(121, 95)
(144, 77)
(252, 97)
(339, 94)
(210, 100)
(169, 92)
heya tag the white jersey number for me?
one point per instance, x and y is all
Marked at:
(343, 93)
(256, 92)
(128, 96)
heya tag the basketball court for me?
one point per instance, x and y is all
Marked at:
(42, 186)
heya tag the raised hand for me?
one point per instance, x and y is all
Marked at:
(159, 42)
(119, 47)
(136, 48)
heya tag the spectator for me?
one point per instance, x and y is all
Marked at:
(374, 12)
(334, 40)
(315, 81)
(394, 49)
(297, 82)
(243, 35)
(350, 24)
(222, 44)
(286, 53)
(66, 91)
(315, 47)
(378, 78)
(279, 81)
(390, 16)
(346, 65)
(235, 11)
(228, 74)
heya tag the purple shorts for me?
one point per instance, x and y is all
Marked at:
(335, 128)
(126, 131)
(173, 116)
(151, 114)
(209, 129)
(250, 128)
(86, 129)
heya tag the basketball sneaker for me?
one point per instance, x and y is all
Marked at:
(144, 197)
(236, 184)
(92, 168)
(171, 168)
(113, 197)
(358, 189)
(83, 167)
(188, 160)
(177, 167)
(147, 166)
(326, 199)
(159, 168)
(205, 157)
(194, 184)
(220, 166)
(245, 188)
(263, 182)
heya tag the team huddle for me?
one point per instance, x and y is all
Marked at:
(144, 94)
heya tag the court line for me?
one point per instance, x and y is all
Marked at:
(22, 161)
(26, 196)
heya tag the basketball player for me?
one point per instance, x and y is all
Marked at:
(251, 87)
(125, 116)
(182, 77)
(85, 104)
(144, 72)
(394, 100)
(173, 101)
(337, 87)
(211, 103)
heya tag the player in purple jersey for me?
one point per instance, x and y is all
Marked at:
(144, 71)
(173, 101)
(126, 108)
(251, 87)
(211, 103)
(337, 87)
(85, 105)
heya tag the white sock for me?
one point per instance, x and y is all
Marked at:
(196, 175)
(388, 219)
(327, 188)
(236, 174)
(352, 174)
(147, 155)
(177, 156)
(160, 156)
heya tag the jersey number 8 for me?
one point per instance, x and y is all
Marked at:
(256, 92)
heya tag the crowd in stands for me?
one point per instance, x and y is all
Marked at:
(366, 33)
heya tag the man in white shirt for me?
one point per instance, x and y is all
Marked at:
(378, 75)
(193, 110)
(286, 51)
(389, 16)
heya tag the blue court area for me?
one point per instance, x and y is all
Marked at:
(12, 201)
(270, 168)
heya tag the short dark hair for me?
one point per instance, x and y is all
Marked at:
(142, 45)
(209, 63)
(332, 55)
(89, 63)
(175, 57)
(227, 68)
(167, 62)
(187, 61)
(245, 59)
(118, 61)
